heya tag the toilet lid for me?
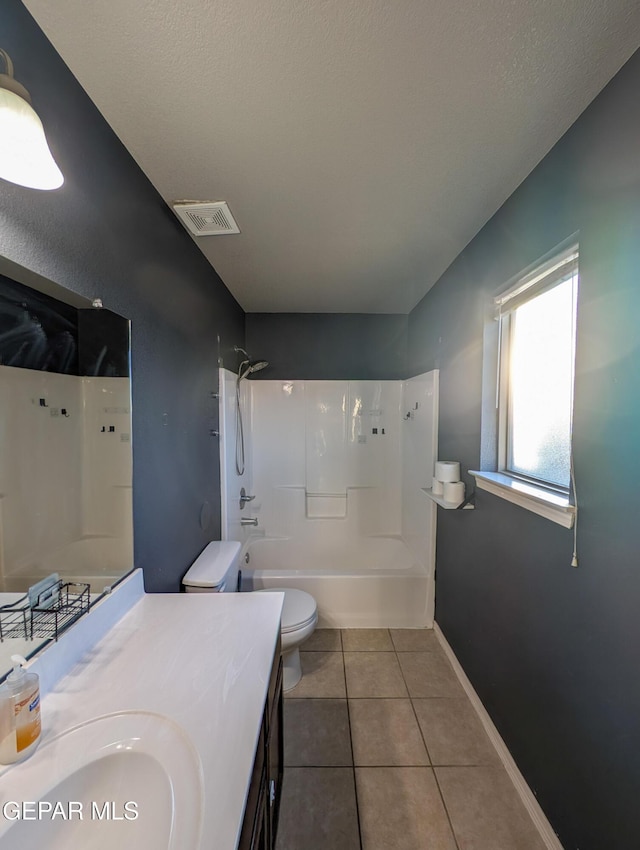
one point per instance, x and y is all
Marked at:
(299, 608)
(212, 566)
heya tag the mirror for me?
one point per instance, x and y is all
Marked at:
(65, 454)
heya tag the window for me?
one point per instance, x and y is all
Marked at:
(534, 359)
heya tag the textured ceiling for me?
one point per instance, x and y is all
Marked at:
(360, 144)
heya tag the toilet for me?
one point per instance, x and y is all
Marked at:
(216, 570)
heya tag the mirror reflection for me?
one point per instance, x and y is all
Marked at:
(65, 453)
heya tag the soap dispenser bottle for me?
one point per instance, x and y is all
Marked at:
(20, 726)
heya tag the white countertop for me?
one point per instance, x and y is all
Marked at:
(201, 659)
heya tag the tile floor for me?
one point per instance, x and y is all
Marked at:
(383, 751)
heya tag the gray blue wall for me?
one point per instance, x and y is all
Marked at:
(554, 652)
(328, 346)
(106, 233)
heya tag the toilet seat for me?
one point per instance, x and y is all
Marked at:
(299, 608)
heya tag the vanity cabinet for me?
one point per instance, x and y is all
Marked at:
(260, 822)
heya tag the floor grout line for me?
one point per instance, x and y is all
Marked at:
(353, 761)
(353, 768)
(426, 746)
(413, 699)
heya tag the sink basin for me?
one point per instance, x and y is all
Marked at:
(131, 779)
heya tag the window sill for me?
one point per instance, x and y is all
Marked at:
(542, 502)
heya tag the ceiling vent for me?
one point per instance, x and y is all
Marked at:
(212, 218)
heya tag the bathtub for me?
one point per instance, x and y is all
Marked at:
(372, 582)
(99, 561)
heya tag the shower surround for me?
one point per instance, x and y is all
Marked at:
(65, 478)
(338, 470)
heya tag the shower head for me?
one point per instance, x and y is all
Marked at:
(258, 365)
(248, 368)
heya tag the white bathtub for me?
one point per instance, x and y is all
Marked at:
(98, 561)
(373, 582)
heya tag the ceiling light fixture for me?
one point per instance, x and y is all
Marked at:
(25, 157)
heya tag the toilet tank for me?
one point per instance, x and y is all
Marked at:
(215, 570)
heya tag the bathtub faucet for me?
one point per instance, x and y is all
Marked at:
(248, 520)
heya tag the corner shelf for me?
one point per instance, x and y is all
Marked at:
(446, 505)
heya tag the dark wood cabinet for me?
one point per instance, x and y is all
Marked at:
(260, 823)
(275, 759)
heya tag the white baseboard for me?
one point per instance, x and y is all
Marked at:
(526, 794)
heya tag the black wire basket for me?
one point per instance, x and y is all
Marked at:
(48, 622)
(49, 616)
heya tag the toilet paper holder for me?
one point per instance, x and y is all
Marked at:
(469, 500)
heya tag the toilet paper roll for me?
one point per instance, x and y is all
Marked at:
(437, 488)
(454, 492)
(447, 470)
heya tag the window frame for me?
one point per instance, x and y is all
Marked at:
(542, 497)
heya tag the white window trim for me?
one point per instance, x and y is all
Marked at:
(536, 282)
(550, 502)
(545, 503)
